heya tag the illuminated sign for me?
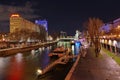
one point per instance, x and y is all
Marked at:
(15, 15)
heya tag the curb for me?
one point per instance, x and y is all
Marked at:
(72, 69)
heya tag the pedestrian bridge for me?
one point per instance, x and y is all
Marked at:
(66, 39)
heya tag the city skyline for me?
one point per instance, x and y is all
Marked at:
(61, 15)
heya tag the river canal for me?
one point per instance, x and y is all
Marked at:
(23, 66)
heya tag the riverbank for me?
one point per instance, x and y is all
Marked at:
(72, 69)
(11, 51)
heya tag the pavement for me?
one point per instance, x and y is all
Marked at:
(96, 68)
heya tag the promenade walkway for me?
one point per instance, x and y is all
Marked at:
(96, 68)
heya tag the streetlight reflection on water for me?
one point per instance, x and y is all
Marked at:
(3, 63)
(19, 57)
(23, 66)
(16, 68)
(39, 72)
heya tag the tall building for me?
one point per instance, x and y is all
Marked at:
(43, 23)
(15, 22)
(18, 23)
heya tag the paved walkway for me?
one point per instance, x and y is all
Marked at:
(96, 68)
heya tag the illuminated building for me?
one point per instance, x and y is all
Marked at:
(116, 22)
(106, 27)
(18, 23)
(42, 23)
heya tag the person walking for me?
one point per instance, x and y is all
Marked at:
(83, 51)
(97, 48)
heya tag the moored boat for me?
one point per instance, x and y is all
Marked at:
(59, 52)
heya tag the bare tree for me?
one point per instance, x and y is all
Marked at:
(93, 27)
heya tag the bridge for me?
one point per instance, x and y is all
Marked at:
(66, 38)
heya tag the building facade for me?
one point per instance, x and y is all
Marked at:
(108, 26)
(18, 23)
(111, 41)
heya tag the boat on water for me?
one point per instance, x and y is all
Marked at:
(58, 52)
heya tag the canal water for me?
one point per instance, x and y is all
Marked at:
(23, 66)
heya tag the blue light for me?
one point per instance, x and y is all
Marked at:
(77, 47)
(77, 44)
(43, 23)
(106, 27)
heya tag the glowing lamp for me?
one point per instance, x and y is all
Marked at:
(39, 71)
(118, 26)
(119, 35)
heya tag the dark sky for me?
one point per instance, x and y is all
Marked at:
(62, 15)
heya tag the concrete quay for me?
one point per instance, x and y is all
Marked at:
(10, 51)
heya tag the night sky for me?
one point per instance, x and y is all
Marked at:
(62, 15)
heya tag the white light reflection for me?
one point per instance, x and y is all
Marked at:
(39, 71)
(4, 62)
(33, 52)
(43, 48)
(73, 49)
(19, 57)
(50, 47)
(40, 49)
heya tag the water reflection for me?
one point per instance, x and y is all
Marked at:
(23, 66)
(73, 49)
(16, 68)
(67, 44)
(33, 52)
(3, 63)
(40, 49)
(19, 57)
(44, 59)
(77, 48)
